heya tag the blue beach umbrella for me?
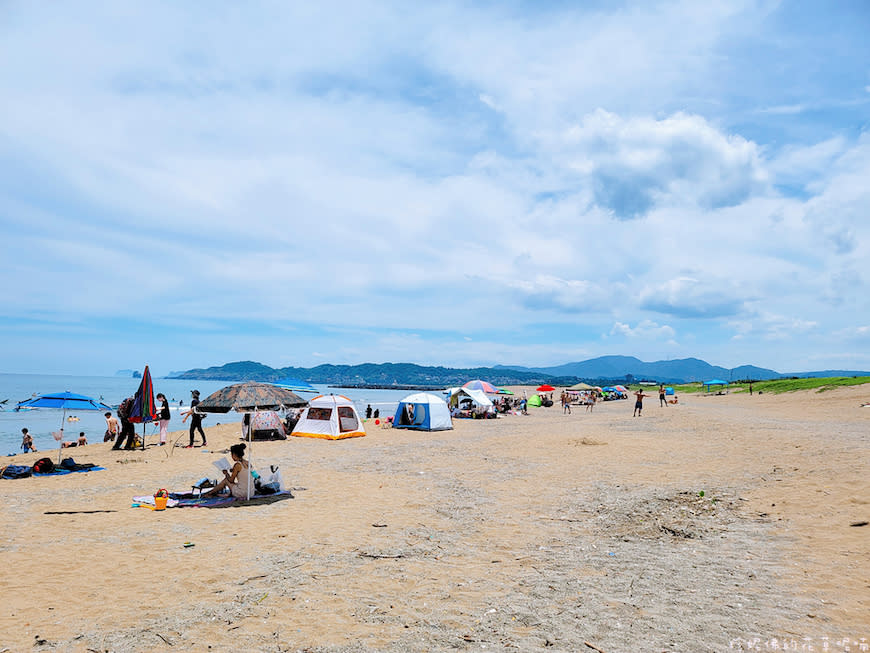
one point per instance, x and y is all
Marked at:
(65, 401)
(296, 385)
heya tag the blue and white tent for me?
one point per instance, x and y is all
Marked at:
(423, 412)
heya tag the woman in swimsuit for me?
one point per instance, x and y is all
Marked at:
(238, 479)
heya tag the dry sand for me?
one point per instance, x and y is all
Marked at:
(525, 533)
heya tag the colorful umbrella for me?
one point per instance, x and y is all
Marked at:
(546, 388)
(65, 401)
(144, 409)
(483, 386)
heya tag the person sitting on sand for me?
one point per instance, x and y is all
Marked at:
(27, 442)
(82, 441)
(238, 479)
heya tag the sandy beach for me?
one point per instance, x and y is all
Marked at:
(545, 531)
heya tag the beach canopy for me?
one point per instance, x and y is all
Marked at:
(534, 400)
(483, 386)
(296, 385)
(330, 417)
(423, 412)
(669, 390)
(714, 382)
(249, 397)
(581, 386)
(545, 388)
(477, 397)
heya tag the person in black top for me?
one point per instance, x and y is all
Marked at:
(369, 411)
(195, 419)
(163, 416)
(128, 434)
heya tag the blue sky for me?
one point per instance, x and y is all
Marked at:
(189, 184)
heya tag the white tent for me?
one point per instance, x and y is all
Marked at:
(477, 397)
(423, 412)
(330, 417)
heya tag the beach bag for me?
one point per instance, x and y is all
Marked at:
(16, 471)
(43, 466)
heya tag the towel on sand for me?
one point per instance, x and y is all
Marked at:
(188, 500)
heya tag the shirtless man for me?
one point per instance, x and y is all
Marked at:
(112, 428)
(638, 404)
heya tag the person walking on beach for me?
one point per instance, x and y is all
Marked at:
(195, 419)
(590, 402)
(164, 416)
(27, 441)
(566, 403)
(112, 428)
(369, 411)
(638, 404)
(662, 399)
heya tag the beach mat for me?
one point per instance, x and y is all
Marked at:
(62, 472)
(16, 471)
(187, 500)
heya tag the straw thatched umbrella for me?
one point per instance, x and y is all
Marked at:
(249, 397)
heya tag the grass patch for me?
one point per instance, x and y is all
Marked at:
(778, 386)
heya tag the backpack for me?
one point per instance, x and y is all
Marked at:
(43, 466)
(126, 408)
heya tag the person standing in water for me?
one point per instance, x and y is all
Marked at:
(27, 441)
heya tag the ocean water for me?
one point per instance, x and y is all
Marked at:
(112, 390)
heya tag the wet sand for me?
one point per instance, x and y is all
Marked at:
(526, 533)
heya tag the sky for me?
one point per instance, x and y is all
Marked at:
(456, 183)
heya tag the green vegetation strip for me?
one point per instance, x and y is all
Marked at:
(777, 386)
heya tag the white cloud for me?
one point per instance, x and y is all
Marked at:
(634, 164)
(420, 177)
(644, 329)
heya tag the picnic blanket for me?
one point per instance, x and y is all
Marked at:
(60, 472)
(188, 500)
(23, 471)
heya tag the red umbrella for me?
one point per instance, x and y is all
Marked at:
(144, 408)
(546, 388)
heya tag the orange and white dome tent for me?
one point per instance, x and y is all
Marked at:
(330, 417)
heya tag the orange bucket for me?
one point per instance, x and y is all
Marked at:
(160, 503)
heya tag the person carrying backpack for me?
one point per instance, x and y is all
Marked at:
(127, 430)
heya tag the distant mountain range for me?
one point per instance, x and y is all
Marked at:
(604, 368)
(384, 374)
